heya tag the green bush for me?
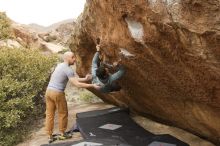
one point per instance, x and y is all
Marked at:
(63, 51)
(23, 78)
(88, 97)
(5, 27)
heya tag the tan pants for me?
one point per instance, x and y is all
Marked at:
(56, 100)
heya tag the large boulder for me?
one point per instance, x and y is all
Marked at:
(57, 33)
(10, 43)
(24, 35)
(171, 52)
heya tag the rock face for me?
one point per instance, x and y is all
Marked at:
(58, 33)
(24, 35)
(171, 52)
(48, 42)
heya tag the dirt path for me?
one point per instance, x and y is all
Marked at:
(39, 137)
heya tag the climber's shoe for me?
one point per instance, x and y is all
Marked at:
(64, 136)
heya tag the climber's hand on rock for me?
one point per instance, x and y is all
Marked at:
(98, 48)
(116, 63)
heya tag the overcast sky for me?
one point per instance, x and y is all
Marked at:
(43, 12)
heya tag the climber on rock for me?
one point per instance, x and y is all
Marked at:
(101, 75)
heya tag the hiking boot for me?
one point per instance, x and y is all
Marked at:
(51, 139)
(64, 136)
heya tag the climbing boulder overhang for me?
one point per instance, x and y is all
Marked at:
(171, 50)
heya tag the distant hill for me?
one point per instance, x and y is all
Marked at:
(37, 27)
(56, 25)
(58, 33)
(53, 38)
(49, 28)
